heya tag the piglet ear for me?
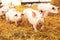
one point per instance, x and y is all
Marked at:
(42, 12)
(33, 14)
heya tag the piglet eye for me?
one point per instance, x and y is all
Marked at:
(41, 11)
(16, 15)
(53, 8)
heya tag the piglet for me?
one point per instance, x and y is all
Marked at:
(34, 17)
(47, 8)
(3, 10)
(14, 16)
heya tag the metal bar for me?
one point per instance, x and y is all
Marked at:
(33, 2)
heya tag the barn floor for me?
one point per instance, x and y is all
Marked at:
(51, 29)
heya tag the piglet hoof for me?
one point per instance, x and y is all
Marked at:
(42, 27)
(35, 29)
(1, 17)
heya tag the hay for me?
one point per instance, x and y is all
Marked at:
(55, 2)
(51, 30)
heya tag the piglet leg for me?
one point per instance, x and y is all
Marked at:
(35, 29)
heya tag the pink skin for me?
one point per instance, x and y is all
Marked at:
(34, 17)
(3, 10)
(48, 8)
(13, 16)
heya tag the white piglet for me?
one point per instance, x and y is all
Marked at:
(48, 8)
(3, 10)
(34, 17)
(13, 16)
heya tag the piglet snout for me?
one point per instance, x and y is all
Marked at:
(0, 3)
(19, 21)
